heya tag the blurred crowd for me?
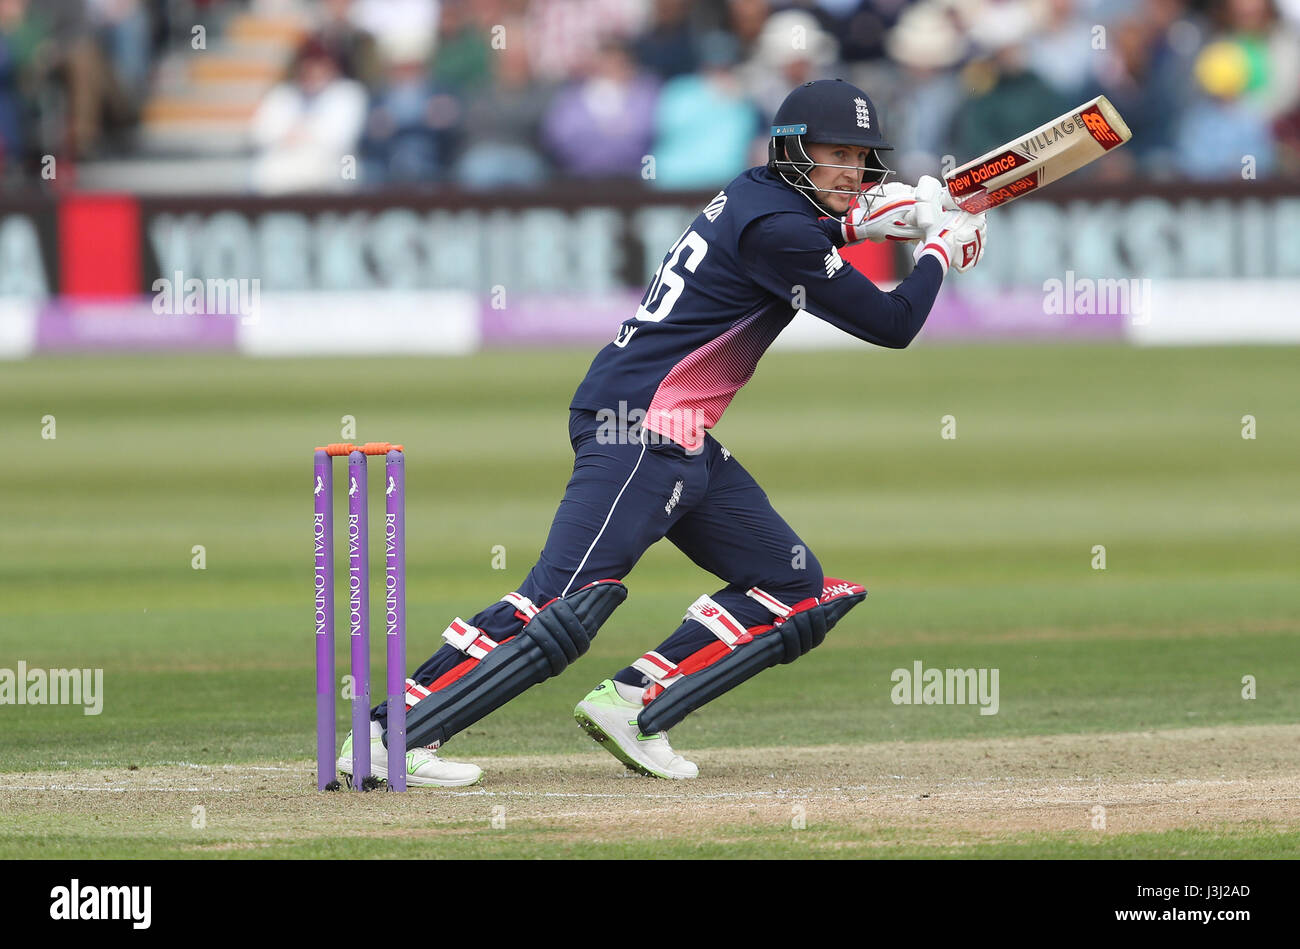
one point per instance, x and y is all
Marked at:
(74, 74)
(679, 94)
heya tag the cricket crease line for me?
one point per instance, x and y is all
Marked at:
(605, 795)
(447, 792)
(116, 789)
(226, 767)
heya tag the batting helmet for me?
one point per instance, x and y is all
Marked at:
(830, 112)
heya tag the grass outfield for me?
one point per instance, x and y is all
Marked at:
(977, 551)
(468, 840)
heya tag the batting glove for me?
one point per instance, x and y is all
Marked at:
(897, 211)
(956, 239)
(883, 213)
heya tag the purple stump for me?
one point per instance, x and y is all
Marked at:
(323, 546)
(395, 615)
(359, 615)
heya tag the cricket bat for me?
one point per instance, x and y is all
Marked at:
(1046, 154)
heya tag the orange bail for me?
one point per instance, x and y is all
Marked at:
(369, 448)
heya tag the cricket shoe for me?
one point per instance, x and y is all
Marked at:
(423, 766)
(611, 720)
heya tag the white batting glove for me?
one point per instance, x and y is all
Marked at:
(897, 211)
(956, 240)
(932, 199)
(883, 213)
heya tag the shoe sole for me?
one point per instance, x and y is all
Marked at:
(380, 775)
(610, 744)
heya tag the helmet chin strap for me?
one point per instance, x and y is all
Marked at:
(822, 208)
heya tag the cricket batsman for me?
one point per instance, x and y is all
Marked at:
(646, 467)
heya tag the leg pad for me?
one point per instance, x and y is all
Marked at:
(559, 633)
(804, 629)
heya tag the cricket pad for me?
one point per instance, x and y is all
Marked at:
(560, 632)
(783, 643)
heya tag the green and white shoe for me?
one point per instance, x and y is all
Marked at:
(423, 766)
(610, 719)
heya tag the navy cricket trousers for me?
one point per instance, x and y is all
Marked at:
(629, 489)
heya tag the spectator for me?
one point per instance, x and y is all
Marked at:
(122, 29)
(22, 38)
(410, 132)
(564, 36)
(602, 127)
(1145, 79)
(1272, 52)
(464, 60)
(395, 20)
(52, 52)
(502, 124)
(703, 123)
(1222, 130)
(97, 101)
(1062, 52)
(1286, 133)
(26, 32)
(12, 133)
(1007, 93)
(353, 48)
(927, 45)
(306, 125)
(791, 49)
(667, 49)
(860, 25)
(745, 19)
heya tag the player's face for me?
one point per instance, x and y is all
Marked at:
(841, 179)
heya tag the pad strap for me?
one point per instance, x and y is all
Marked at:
(415, 692)
(710, 614)
(468, 639)
(523, 606)
(773, 605)
(717, 620)
(658, 669)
